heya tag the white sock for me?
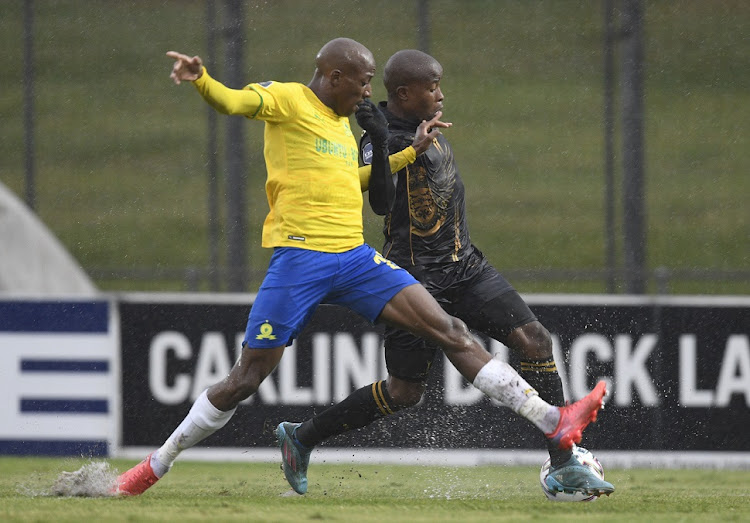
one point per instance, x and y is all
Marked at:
(540, 413)
(203, 420)
(501, 382)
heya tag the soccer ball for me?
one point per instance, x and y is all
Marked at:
(587, 459)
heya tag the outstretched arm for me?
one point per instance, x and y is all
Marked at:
(218, 95)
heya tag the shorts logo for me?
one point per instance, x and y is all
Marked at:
(379, 258)
(266, 332)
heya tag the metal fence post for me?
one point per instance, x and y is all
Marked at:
(28, 101)
(212, 154)
(423, 26)
(610, 255)
(632, 118)
(235, 153)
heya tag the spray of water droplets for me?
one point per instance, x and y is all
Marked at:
(92, 480)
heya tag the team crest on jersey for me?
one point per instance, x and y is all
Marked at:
(265, 84)
(367, 154)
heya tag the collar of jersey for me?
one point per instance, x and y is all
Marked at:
(323, 108)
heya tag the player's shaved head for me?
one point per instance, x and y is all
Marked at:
(344, 54)
(343, 70)
(407, 67)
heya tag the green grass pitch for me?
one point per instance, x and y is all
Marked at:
(254, 492)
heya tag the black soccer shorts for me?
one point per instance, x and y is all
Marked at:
(471, 290)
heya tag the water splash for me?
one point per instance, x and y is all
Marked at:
(93, 480)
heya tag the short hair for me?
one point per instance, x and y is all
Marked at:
(406, 67)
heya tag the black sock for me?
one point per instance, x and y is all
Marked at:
(543, 376)
(359, 409)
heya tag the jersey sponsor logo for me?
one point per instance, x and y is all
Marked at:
(332, 148)
(296, 238)
(337, 150)
(266, 332)
(367, 154)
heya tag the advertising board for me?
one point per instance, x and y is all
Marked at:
(678, 371)
(58, 377)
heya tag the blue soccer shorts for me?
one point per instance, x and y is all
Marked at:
(298, 280)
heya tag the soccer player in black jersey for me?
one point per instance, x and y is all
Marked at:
(426, 233)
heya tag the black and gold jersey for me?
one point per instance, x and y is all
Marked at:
(427, 223)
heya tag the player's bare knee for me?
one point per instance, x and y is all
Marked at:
(406, 395)
(537, 342)
(459, 336)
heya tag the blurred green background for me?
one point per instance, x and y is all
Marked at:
(121, 152)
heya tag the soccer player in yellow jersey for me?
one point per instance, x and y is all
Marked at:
(314, 225)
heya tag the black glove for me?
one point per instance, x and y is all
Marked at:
(373, 122)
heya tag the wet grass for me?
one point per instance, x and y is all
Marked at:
(254, 492)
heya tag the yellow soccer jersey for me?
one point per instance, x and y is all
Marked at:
(313, 184)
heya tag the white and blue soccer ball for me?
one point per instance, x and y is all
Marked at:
(587, 459)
